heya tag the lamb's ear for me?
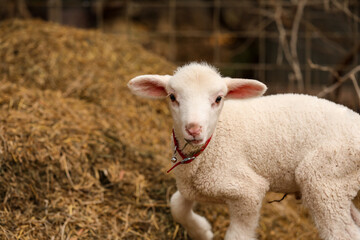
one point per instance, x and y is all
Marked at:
(239, 88)
(151, 86)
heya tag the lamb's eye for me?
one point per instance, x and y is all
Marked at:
(218, 99)
(172, 97)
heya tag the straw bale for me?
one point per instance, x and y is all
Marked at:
(63, 170)
(80, 157)
(88, 65)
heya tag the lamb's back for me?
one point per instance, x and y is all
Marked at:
(274, 133)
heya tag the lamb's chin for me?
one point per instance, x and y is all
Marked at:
(195, 142)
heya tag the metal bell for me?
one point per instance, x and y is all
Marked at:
(173, 159)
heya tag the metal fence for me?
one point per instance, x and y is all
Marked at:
(283, 40)
(298, 45)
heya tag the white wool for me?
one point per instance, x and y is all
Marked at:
(288, 143)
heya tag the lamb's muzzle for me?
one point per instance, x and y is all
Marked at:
(193, 129)
(185, 159)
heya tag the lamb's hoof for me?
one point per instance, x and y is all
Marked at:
(208, 235)
(202, 230)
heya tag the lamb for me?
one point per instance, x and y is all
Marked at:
(233, 146)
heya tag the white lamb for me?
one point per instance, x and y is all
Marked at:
(285, 143)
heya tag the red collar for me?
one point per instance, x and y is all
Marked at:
(185, 158)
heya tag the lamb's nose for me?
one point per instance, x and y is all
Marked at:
(193, 129)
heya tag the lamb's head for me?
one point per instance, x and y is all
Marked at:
(196, 94)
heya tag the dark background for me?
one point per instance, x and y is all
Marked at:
(241, 38)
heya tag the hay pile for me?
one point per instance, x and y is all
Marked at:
(80, 157)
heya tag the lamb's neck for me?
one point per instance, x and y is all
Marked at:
(184, 173)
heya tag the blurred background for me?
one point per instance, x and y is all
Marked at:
(83, 158)
(291, 45)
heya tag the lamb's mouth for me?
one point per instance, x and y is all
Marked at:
(194, 141)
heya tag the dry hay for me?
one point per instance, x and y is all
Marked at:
(87, 65)
(81, 158)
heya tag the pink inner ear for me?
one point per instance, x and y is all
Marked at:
(245, 91)
(151, 88)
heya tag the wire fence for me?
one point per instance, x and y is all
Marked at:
(298, 45)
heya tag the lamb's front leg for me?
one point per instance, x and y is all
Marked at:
(244, 217)
(197, 226)
(245, 208)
